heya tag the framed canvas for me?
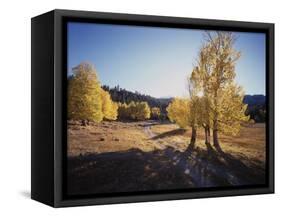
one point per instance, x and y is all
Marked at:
(131, 108)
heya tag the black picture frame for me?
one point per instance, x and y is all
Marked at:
(48, 69)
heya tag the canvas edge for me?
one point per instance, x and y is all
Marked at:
(59, 201)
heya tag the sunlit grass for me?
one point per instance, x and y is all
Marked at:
(119, 136)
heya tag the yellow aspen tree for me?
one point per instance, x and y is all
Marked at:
(195, 110)
(84, 94)
(155, 113)
(123, 112)
(222, 58)
(106, 103)
(142, 111)
(178, 112)
(132, 110)
(200, 77)
(109, 108)
(114, 111)
(232, 110)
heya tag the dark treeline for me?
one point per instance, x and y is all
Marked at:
(256, 107)
(256, 103)
(124, 96)
(257, 113)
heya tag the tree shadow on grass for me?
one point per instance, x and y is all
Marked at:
(150, 123)
(175, 132)
(225, 168)
(134, 170)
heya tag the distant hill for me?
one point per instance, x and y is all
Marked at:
(124, 96)
(254, 99)
(256, 107)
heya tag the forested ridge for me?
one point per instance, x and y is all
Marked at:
(256, 107)
(256, 103)
(122, 95)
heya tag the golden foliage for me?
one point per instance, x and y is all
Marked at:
(84, 94)
(134, 111)
(222, 105)
(109, 108)
(232, 110)
(143, 111)
(179, 112)
(155, 112)
(123, 111)
(86, 99)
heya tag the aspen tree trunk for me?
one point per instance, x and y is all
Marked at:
(215, 129)
(207, 135)
(193, 137)
(216, 137)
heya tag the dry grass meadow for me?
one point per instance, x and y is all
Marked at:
(143, 156)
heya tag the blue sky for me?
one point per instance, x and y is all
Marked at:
(156, 61)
